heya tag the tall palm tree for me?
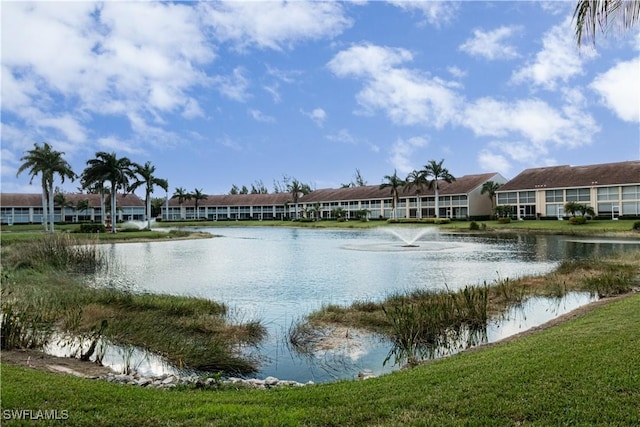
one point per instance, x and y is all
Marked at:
(417, 180)
(295, 189)
(108, 167)
(145, 176)
(590, 15)
(489, 188)
(198, 195)
(394, 183)
(182, 195)
(48, 163)
(435, 171)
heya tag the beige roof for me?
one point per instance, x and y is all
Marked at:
(576, 176)
(462, 185)
(35, 199)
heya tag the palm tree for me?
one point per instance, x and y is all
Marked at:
(45, 161)
(571, 208)
(198, 195)
(181, 194)
(394, 182)
(417, 180)
(590, 15)
(435, 170)
(295, 189)
(146, 178)
(97, 188)
(489, 188)
(81, 206)
(108, 167)
(59, 199)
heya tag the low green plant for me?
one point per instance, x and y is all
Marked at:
(609, 284)
(577, 220)
(92, 228)
(636, 226)
(474, 226)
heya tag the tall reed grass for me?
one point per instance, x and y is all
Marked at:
(60, 251)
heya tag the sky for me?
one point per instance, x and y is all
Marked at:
(216, 94)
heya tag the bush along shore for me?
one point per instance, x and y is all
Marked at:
(45, 295)
(421, 323)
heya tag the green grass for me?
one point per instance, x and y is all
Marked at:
(275, 223)
(583, 372)
(561, 227)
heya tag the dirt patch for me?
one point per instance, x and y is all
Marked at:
(45, 362)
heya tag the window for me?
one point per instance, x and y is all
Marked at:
(554, 210)
(631, 192)
(554, 196)
(608, 193)
(579, 195)
(630, 208)
(508, 198)
(527, 196)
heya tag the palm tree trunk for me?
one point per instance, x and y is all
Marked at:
(45, 223)
(52, 208)
(437, 202)
(148, 212)
(103, 214)
(113, 208)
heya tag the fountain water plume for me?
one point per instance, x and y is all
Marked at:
(410, 235)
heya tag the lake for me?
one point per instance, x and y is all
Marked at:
(278, 275)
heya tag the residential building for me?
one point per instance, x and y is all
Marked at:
(27, 208)
(611, 189)
(461, 199)
(229, 207)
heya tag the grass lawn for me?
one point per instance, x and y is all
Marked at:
(583, 372)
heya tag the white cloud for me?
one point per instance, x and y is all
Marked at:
(234, 86)
(343, 135)
(259, 116)
(406, 96)
(401, 152)
(619, 88)
(113, 143)
(100, 58)
(493, 44)
(66, 125)
(533, 119)
(457, 72)
(318, 115)
(274, 25)
(436, 13)
(559, 60)
(492, 162)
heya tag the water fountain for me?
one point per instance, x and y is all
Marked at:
(405, 239)
(140, 225)
(409, 235)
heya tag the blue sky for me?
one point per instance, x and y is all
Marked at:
(223, 93)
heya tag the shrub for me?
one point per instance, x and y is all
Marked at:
(506, 220)
(577, 220)
(636, 226)
(92, 228)
(474, 226)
